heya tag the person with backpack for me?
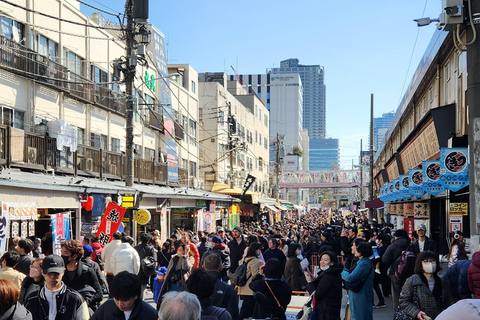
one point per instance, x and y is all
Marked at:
(252, 264)
(96, 251)
(391, 260)
(148, 260)
(201, 284)
(87, 253)
(425, 294)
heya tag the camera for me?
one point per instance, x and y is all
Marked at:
(454, 10)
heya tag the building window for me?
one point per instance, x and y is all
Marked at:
(193, 87)
(265, 120)
(12, 117)
(149, 154)
(99, 141)
(256, 137)
(99, 76)
(81, 136)
(74, 63)
(193, 132)
(115, 145)
(137, 151)
(193, 169)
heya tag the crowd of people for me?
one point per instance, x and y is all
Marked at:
(206, 275)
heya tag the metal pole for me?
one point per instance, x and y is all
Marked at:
(277, 169)
(370, 195)
(473, 99)
(361, 174)
(129, 78)
(230, 143)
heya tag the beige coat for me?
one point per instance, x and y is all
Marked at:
(13, 275)
(253, 268)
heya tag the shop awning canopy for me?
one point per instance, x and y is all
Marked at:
(279, 206)
(272, 208)
(298, 207)
(223, 188)
(377, 203)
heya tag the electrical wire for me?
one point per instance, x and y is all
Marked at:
(101, 10)
(56, 18)
(474, 32)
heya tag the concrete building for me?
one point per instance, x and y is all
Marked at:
(324, 154)
(248, 136)
(380, 127)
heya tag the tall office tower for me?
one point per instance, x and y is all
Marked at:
(324, 154)
(380, 127)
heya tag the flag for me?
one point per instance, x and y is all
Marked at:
(112, 218)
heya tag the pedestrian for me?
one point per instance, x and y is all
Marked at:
(125, 258)
(164, 255)
(10, 308)
(457, 249)
(274, 252)
(107, 253)
(193, 251)
(457, 279)
(126, 302)
(237, 247)
(361, 302)
(158, 282)
(224, 295)
(217, 246)
(423, 243)
(55, 300)
(346, 239)
(473, 274)
(293, 273)
(35, 280)
(201, 284)
(180, 306)
(24, 247)
(8, 261)
(425, 293)
(277, 292)
(328, 288)
(253, 268)
(466, 309)
(144, 249)
(86, 259)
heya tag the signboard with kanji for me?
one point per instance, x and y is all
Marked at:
(458, 208)
(112, 217)
(456, 223)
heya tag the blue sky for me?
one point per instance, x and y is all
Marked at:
(365, 47)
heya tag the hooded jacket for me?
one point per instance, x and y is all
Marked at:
(125, 258)
(457, 279)
(328, 293)
(474, 275)
(393, 252)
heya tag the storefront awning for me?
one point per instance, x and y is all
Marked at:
(272, 208)
(279, 206)
(223, 188)
(300, 208)
(287, 205)
(377, 203)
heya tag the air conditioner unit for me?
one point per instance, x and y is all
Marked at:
(32, 155)
(112, 169)
(89, 164)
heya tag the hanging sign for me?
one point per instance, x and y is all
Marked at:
(60, 230)
(415, 178)
(454, 168)
(456, 223)
(143, 217)
(431, 177)
(248, 182)
(4, 234)
(112, 217)
(404, 187)
(421, 210)
(458, 208)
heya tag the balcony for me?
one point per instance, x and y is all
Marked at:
(20, 60)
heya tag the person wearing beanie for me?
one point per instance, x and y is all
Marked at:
(217, 246)
(87, 259)
(237, 248)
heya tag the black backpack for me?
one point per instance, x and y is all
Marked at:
(406, 265)
(239, 277)
(99, 260)
(148, 266)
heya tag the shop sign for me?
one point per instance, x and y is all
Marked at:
(415, 178)
(459, 208)
(205, 221)
(143, 217)
(218, 214)
(4, 234)
(60, 230)
(408, 209)
(431, 177)
(456, 223)
(128, 200)
(234, 220)
(111, 220)
(421, 210)
(454, 168)
(201, 203)
(20, 211)
(409, 225)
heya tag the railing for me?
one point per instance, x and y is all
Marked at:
(3, 145)
(19, 59)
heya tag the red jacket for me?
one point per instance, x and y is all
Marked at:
(196, 254)
(97, 248)
(474, 275)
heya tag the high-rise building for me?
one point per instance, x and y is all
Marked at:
(324, 154)
(380, 127)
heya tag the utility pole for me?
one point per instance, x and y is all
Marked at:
(361, 173)
(277, 167)
(473, 98)
(370, 195)
(230, 143)
(129, 78)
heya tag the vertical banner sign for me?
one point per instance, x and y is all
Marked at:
(163, 224)
(431, 177)
(3, 234)
(454, 168)
(209, 221)
(409, 226)
(404, 185)
(112, 217)
(166, 100)
(248, 182)
(416, 179)
(60, 230)
(200, 220)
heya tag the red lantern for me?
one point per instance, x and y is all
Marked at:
(88, 203)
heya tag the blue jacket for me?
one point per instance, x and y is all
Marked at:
(457, 279)
(361, 303)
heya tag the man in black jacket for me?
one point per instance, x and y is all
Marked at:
(125, 289)
(79, 276)
(423, 243)
(24, 247)
(224, 295)
(346, 239)
(69, 303)
(144, 250)
(237, 248)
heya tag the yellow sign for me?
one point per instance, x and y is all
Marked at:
(128, 200)
(126, 220)
(143, 217)
(457, 208)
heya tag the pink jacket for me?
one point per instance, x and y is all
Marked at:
(474, 275)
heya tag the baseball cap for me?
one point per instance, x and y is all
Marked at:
(220, 229)
(53, 263)
(216, 239)
(161, 271)
(422, 227)
(87, 249)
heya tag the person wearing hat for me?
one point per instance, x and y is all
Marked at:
(55, 300)
(237, 248)
(423, 243)
(217, 246)
(87, 254)
(158, 282)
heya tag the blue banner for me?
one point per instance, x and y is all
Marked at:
(404, 187)
(454, 168)
(431, 177)
(396, 190)
(415, 177)
(166, 100)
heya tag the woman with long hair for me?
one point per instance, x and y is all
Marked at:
(293, 272)
(457, 249)
(425, 293)
(10, 308)
(328, 292)
(253, 268)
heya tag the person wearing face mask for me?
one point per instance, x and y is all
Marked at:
(328, 287)
(426, 287)
(217, 246)
(33, 282)
(253, 268)
(293, 272)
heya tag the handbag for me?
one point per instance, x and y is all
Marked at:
(400, 314)
(273, 294)
(356, 286)
(307, 309)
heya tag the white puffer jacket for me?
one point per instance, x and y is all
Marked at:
(125, 258)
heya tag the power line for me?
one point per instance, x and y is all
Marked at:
(101, 10)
